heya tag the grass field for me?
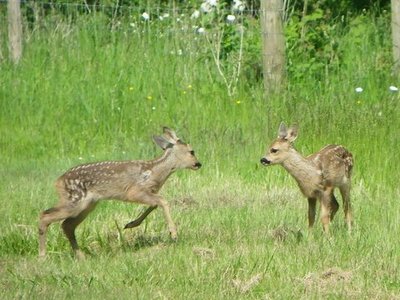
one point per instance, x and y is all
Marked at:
(84, 93)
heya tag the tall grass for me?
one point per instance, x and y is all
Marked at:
(87, 92)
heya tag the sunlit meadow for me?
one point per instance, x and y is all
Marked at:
(91, 88)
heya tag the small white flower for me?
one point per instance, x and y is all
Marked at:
(231, 18)
(145, 16)
(80, 158)
(153, 108)
(392, 88)
(212, 2)
(201, 30)
(132, 24)
(195, 14)
(179, 52)
(359, 89)
(205, 7)
(380, 114)
(165, 15)
(160, 18)
(238, 5)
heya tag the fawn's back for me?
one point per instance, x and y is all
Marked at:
(109, 179)
(334, 162)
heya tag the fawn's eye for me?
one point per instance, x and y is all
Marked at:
(274, 150)
(192, 152)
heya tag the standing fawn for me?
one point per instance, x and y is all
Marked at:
(81, 188)
(317, 175)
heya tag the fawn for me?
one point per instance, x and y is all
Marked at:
(81, 187)
(317, 175)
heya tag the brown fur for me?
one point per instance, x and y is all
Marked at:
(81, 188)
(317, 175)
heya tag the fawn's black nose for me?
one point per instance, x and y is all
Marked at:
(197, 165)
(265, 161)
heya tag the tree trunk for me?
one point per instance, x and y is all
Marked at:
(396, 34)
(14, 30)
(273, 44)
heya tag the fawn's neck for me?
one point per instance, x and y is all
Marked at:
(303, 171)
(163, 166)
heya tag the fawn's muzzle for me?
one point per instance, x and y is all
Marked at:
(265, 161)
(197, 165)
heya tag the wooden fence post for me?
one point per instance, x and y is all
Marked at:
(273, 44)
(395, 4)
(14, 30)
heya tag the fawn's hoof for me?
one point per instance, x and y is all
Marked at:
(174, 236)
(79, 255)
(132, 224)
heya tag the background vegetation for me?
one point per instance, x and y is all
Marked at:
(93, 86)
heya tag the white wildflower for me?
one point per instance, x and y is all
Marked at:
(132, 24)
(392, 88)
(165, 15)
(145, 16)
(195, 14)
(205, 7)
(238, 5)
(231, 18)
(201, 30)
(358, 89)
(212, 2)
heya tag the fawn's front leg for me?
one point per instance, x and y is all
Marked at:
(154, 200)
(141, 218)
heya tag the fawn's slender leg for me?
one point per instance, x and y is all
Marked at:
(345, 191)
(327, 208)
(334, 206)
(311, 211)
(69, 225)
(140, 219)
(47, 217)
(167, 215)
(155, 200)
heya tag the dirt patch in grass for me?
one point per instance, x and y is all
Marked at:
(205, 253)
(327, 281)
(284, 233)
(244, 286)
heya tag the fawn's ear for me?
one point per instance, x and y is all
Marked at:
(170, 135)
(292, 133)
(282, 131)
(162, 142)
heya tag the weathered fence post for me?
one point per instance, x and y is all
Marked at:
(14, 30)
(273, 44)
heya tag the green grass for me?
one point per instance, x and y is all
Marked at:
(83, 93)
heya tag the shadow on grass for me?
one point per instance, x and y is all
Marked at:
(143, 241)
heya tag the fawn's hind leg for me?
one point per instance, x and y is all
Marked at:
(311, 211)
(69, 225)
(47, 217)
(334, 206)
(345, 191)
